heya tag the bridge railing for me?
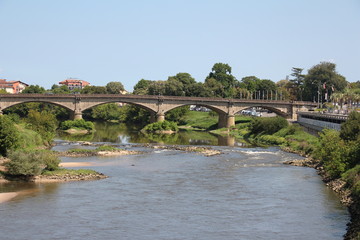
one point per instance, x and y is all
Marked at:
(324, 115)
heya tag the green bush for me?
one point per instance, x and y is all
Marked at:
(31, 163)
(109, 112)
(270, 139)
(29, 139)
(44, 123)
(9, 136)
(352, 178)
(23, 163)
(289, 130)
(49, 159)
(77, 124)
(177, 114)
(333, 152)
(267, 125)
(350, 130)
(161, 126)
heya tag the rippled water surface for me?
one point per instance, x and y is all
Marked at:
(244, 193)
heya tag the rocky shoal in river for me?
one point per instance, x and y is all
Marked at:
(206, 151)
(69, 177)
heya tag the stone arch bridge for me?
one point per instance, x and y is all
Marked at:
(158, 106)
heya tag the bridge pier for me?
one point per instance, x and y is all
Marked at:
(76, 115)
(226, 120)
(160, 117)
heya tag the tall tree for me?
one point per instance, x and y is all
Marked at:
(187, 84)
(221, 72)
(157, 88)
(297, 82)
(321, 80)
(114, 87)
(214, 88)
(251, 83)
(174, 87)
(9, 136)
(142, 87)
(34, 89)
(63, 89)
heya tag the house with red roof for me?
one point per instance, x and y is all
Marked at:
(12, 87)
(73, 83)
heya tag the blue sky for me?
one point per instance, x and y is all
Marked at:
(43, 42)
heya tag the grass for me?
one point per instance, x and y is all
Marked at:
(81, 150)
(98, 149)
(29, 138)
(200, 120)
(71, 172)
(208, 120)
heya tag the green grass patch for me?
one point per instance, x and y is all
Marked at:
(200, 120)
(71, 172)
(29, 139)
(352, 178)
(107, 148)
(81, 150)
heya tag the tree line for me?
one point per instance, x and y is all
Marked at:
(320, 83)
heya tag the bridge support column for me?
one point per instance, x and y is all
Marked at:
(226, 120)
(76, 115)
(160, 117)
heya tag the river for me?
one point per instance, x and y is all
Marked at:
(244, 193)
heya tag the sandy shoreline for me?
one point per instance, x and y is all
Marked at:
(75, 164)
(4, 197)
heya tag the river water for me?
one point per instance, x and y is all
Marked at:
(243, 193)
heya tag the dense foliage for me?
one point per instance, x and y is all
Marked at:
(43, 123)
(31, 163)
(350, 130)
(340, 151)
(9, 136)
(177, 114)
(267, 125)
(77, 124)
(161, 126)
(34, 89)
(322, 78)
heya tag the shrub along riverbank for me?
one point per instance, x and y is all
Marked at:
(23, 147)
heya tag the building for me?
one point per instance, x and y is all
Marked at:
(12, 86)
(73, 83)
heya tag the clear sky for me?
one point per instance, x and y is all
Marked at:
(43, 42)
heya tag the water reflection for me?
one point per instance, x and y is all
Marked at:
(24, 190)
(122, 133)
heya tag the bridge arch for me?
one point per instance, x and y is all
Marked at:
(275, 110)
(153, 113)
(224, 119)
(9, 105)
(147, 108)
(215, 109)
